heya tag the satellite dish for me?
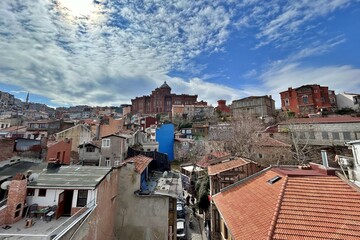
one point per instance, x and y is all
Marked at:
(33, 177)
(5, 185)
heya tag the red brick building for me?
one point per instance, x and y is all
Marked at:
(60, 151)
(160, 101)
(308, 99)
(222, 107)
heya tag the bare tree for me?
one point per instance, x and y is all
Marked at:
(238, 136)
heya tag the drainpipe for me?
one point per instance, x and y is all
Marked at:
(324, 158)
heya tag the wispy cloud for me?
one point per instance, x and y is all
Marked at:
(89, 53)
(340, 78)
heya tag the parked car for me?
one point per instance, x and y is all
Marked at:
(180, 210)
(181, 229)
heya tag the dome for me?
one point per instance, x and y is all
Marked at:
(165, 85)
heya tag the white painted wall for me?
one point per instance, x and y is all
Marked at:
(51, 198)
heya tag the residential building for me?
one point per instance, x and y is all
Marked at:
(59, 151)
(186, 133)
(78, 134)
(224, 174)
(288, 203)
(146, 122)
(271, 151)
(222, 107)
(165, 138)
(113, 150)
(160, 101)
(81, 199)
(196, 112)
(259, 106)
(200, 130)
(326, 131)
(147, 202)
(348, 100)
(110, 125)
(9, 122)
(308, 99)
(89, 154)
(42, 128)
(13, 132)
(6, 99)
(182, 147)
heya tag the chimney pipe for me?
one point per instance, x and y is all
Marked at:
(324, 158)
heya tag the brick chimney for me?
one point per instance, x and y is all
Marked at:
(16, 198)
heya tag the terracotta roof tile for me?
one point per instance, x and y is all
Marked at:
(295, 207)
(254, 201)
(225, 166)
(141, 162)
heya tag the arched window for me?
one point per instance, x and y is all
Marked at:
(305, 99)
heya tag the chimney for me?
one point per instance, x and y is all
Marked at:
(324, 158)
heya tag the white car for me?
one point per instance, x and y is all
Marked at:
(181, 229)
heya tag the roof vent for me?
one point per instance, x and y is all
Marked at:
(274, 179)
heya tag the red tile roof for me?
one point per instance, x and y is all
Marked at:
(141, 162)
(295, 207)
(248, 208)
(207, 159)
(225, 166)
(344, 119)
(318, 207)
(271, 142)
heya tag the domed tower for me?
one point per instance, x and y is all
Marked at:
(165, 88)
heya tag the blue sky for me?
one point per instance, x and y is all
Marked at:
(67, 52)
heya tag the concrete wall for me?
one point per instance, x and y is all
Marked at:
(116, 152)
(60, 151)
(318, 129)
(79, 134)
(52, 197)
(100, 224)
(344, 100)
(139, 217)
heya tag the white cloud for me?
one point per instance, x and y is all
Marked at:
(104, 53)
(339, 78)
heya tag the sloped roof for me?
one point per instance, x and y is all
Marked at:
(295, 207)
(248, 208)
(318, 207)
(165, 85)
(207, 159)
(344, 119)
(225, 166)
(141, 162)
(271, 142)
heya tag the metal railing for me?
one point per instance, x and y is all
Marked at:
(3, 202)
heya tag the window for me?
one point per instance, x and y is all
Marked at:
(90, 149)
(311, 135)
(287, 103)
(108, 162)
(18, 210)
(332, 100)
(325, 135)
(260, 155)
(82, 198)
(116, 163)
(30, 192)
(105, 143)
(335, 135)
(305, 99)
(347, 135)
(42, 193)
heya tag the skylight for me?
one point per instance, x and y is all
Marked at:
(274, 179)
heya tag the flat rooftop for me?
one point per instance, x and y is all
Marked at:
(165, 184)
(85, 177)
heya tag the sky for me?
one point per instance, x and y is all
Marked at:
(106, 52)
